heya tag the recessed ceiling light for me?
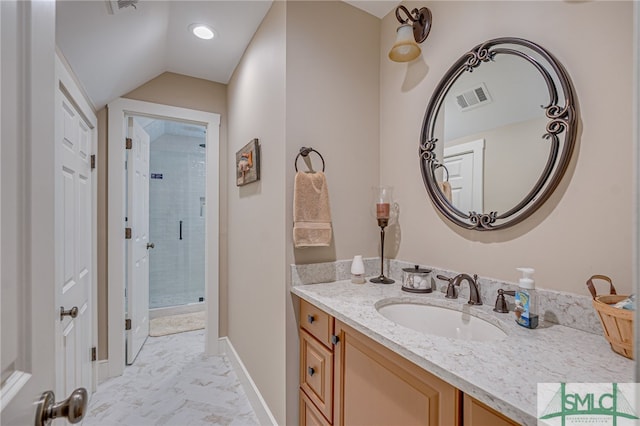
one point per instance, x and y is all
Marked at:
(202, 31)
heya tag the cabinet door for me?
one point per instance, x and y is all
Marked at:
(376, 386)
(316, 373)
(477, 414)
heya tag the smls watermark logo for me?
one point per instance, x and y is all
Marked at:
(566, 404)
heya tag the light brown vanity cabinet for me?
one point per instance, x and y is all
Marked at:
(348, 379)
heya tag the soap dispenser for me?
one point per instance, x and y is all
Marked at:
(526, 300)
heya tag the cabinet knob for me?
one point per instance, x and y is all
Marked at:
(311, 371)
(310, 318)
(335, 339)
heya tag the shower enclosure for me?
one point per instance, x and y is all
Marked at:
(176, 213)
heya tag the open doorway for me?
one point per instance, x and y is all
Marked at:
(166, 183)
(159, 121)
(177, 208)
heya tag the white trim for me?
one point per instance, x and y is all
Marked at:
(116, 213)
(259, 405)
(636, 172)
(477, 148)
(102, 368)
(77, 83)
(64, 77)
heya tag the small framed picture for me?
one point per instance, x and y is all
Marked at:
(248, 163)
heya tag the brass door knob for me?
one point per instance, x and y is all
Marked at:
(73, 408)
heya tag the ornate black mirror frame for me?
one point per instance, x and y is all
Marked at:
(562, 120)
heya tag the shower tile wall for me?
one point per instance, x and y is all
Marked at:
(176, 193)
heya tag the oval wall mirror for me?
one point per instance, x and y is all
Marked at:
(498, 134)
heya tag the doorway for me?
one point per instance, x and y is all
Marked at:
(119, 111)
(177, 207)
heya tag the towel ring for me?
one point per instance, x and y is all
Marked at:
(304, 151)
(445, 169)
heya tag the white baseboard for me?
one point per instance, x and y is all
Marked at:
(253, 394)
(103, 370)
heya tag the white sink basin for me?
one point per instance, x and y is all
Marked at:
(441, 321)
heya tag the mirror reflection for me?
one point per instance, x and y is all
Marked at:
(487, 147)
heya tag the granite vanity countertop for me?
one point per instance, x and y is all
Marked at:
(502, 374)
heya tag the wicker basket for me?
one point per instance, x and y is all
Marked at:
(617, 323)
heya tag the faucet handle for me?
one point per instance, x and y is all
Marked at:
(501, 303)
(452, 291)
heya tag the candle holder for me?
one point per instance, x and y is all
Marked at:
(383, 198)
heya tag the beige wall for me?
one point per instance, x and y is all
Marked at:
(329, 102)
(506, 182)
(585, 227)
(332, 106)
(179, 91)
(256, 219)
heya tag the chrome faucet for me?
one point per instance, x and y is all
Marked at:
(474, 294)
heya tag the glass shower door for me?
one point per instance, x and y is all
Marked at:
(176, 218)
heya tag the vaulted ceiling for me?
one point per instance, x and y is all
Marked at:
(114, 53)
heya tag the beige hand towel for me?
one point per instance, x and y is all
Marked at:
(311, 212)
(445, 187)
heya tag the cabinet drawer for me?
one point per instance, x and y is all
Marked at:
(316, 373)
(309, 414)
(317, 322)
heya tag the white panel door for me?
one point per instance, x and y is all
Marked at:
(28, 194)
(460, 168)
(74, 247)
(137, 290)
(465, 164)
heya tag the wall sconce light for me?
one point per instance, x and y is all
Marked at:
(406, 47)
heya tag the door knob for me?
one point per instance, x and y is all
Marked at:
(73, 408)
(150, 245)
(73, 312)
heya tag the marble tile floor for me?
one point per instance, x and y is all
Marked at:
(172, 383)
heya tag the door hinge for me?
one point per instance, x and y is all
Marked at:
(127, 324)
(93, 161)
(127, 233)
(94, 354)
(128, 143)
